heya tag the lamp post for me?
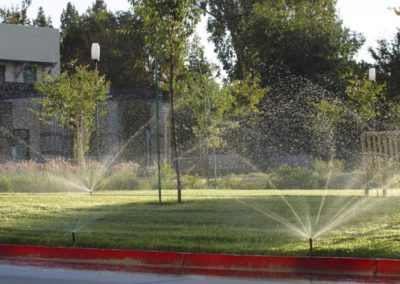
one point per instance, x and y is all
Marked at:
(95, 55)
(158, 95)
(372, 74)
(371, 77)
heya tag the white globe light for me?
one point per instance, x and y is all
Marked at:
(95, 51)
(372, 74)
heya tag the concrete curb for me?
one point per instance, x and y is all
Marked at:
(205, 264)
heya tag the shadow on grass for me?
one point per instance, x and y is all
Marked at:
(198, 225)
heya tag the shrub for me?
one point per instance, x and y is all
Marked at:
(168, 178)
(5, 184)
(194, 182)
(353, 180)
(123, 180)
(244, 181)
(333, 167)
(293, 178)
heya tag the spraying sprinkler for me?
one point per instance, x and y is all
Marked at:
(73, 238)
(310, 240)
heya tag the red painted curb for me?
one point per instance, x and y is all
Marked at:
(216, 264)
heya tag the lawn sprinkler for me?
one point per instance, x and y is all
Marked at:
(311, 246)
(73, 238)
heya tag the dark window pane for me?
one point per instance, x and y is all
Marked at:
(20, 149)
(30, 74)
(2, 73)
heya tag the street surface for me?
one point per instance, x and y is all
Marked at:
(17, 274)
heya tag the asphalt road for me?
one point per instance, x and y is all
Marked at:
(17, 274)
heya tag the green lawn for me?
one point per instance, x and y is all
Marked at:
(218, 221)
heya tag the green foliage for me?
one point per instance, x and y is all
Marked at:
(72, 100)
(325, 119)
(243, 181)
(16, 15)
(5, 183)
(363, 96)
(168, 177)
(306, 35)
(41, 19)
(194, 182)
(121, 38)
(387, 58)
(325, 175)
(287, 177)
(243, 96)
(19, 16)
(168, 25)
(323, 169)
(121, 180)
(328, 112)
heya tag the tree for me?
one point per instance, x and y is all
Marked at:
(326, 116)
(168, 26)
(19, 16)
(387, 58)
(214, 110)
(305, 35)
(364, 97)
(123, 58)
(41, 20)
(71, 99)
(16, 15)
(341, 121)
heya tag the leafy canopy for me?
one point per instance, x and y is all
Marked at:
(306, 35)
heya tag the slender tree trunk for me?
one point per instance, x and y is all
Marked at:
(79, 143)
(215, 167)
(175, 155)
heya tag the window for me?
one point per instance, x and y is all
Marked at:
(30, 74)
(20, 150)
(2, 73)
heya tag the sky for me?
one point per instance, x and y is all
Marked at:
(372, 18)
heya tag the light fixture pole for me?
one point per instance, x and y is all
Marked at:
(372, 74)
(95, 54)
(158, 97)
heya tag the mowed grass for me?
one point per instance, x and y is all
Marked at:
(212, 221)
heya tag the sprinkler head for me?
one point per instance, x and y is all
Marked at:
(73, 238)
(311, 246)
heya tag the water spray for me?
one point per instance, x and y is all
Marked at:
(73, 238)
(310, 240)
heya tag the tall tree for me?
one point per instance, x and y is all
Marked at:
(16, 15)
(120, 34)
(214, 110)
(387, 58)
(41, 19)
(168, 25)
(305, 35)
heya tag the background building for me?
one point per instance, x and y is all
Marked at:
(26, 52)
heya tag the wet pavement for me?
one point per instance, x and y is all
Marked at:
(17, 274)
